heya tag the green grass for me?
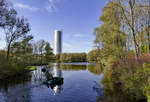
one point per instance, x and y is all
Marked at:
(31, 68)
(11, 68)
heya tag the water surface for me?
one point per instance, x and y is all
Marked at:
(81, 84)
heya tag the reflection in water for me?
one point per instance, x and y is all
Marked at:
(78, 86)
(56, 70)
(98, 89)
(113, 92)
(95, 68)
(57, 73)
(9, 88)
(37, 74)
(72, 67)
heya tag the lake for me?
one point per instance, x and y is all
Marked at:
(81, 84)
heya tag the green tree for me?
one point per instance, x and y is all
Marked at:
(110, 34)
(15, 29)
(135, 18)
(23, 49)
(48, 52)
(41, 46)
(73, 57)
(93, 55)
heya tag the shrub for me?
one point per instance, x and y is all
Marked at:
(10, 68)
(130, 77)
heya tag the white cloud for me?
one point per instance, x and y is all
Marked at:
(51, 5)
(23, 6)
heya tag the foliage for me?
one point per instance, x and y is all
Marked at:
(129, 77)
(8, 68)
(93, 56)
(48, 52)
(3, 12)
(109, 34)
(73, 57)
(20, 51)
(125, 26)
(14, 27)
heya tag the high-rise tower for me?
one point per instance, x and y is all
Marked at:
(57, 42)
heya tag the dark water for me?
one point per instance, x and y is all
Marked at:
(81, 84)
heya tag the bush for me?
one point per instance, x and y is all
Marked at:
(130, 77)
(10, 68)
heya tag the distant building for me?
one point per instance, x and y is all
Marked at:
(57, 42)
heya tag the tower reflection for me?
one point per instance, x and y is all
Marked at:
(57, 89)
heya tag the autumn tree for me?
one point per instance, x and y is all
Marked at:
(136, 18)
(110, 33)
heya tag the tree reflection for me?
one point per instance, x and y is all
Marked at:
(16, 89)
(112, 92)
(73, 67)
(95, 68)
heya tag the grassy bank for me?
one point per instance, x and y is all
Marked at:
(10, 68)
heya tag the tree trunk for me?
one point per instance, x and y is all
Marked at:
(41, 57)
(135, 47)
(132, 4)
(8, 51)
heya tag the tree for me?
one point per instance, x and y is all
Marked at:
(14, 29)
(72, 57)
(134, 19)
(41, 46)
(23, 48)
(146, 15)
(110, 34)
(3, 12)
(93, 55)
(48, 51)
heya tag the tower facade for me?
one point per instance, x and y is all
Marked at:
(57, 42)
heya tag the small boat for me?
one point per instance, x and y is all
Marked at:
(54, 81)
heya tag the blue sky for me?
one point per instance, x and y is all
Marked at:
(77, 19)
